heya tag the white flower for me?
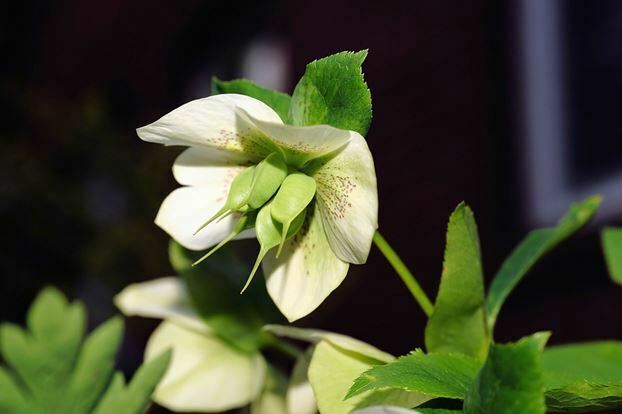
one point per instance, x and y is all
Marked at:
(331, 218)
(207, 374)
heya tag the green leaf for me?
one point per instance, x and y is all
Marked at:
(333, 92)
(331, 373)
(214, 288)
(510, 381)
(436, 375)
(50, 369)
(458, 324)
(137, 395)
(531, 249)
(276, 100)
(612, 246)
(583, 377)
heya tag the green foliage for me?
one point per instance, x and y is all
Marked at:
(583, 377)
(50, 369)
(612, 246)
(333, 92)
(510, 381)
(531, 249)
(276, 100)
(214, 289)
(458, 323)
(436, 375)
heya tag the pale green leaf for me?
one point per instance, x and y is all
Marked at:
(612, 246)
(276, 100)
(531, 249)
(333, 92)
(584, 377)
(458, 324)
(436, 375)
(510, 381)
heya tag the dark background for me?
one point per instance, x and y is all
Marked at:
(79, 190)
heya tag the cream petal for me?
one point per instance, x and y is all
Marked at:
(164, 298)
(300, 144)
(348, 199)
(208, 167)
(305, 273)
(300, 398)
(213, 122)
(187, 208)
(205, 374)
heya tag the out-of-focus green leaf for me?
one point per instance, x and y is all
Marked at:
(436, 375)
(458, 323)
(214, 288)
(531, 249)
(50, 369)
(276, 100)
(134, 397)
(584, 377)
(612, 246)
(510, 382)
(333, 92)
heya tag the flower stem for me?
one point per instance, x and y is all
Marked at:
(407, 277)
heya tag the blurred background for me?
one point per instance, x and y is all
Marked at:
(511, 106)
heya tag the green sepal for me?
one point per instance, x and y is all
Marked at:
(268, 176)
(239, 193)
(295, 194)
(269, 235)
(612, 247)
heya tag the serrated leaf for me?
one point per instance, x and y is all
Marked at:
(612, 247)
(214, 288)
(276, 100)
(50, 369)
(436, 375)
(137, 395)
(531, 249)
(333, 92)
(584, 377)
(458, 323)
(510, 381)
(331, 373)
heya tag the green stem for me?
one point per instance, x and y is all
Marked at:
(400, 268)
(285, 348)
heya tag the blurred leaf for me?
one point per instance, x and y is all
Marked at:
(458, 324)
(583, 377)
(276, 100)
(134, 397)
(214, 287)
(51, 370)
(510, 381)
(436, 375)
(331, 373)
(333, 92)
(612, 246)
(531, 249)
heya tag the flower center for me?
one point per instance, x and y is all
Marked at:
(270, 197)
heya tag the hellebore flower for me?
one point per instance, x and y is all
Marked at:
(307, 193)
(206, 373)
